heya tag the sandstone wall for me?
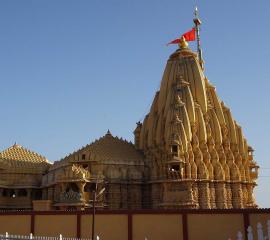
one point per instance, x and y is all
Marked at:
(135, 225)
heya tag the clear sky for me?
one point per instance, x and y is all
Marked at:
(70, 70)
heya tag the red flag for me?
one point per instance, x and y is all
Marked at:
(189, 36)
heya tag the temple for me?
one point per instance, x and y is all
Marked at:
(195, 151)
(188, 153)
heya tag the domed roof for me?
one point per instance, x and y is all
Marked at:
(106, 149)
(19, 159)
(109, 147)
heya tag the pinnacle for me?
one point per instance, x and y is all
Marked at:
(108, 133)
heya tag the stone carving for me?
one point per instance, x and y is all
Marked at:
(70, 196)
(215, 152)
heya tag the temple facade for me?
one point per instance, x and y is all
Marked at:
(188, 153)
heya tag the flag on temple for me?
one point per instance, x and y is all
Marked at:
(189, 36)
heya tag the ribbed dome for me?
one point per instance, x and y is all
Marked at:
(112, 148)
(106, 149)
(19, 159)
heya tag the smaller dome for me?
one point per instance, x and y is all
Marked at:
(109, 147)
(106, 149)
(19, 159)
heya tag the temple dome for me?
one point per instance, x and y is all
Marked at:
(109, 147)
(19, 159)
(106, 149)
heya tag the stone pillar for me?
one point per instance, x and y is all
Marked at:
(50, 193)
(221, 195)
(108, 196)
(191, 203)
(212, 195)
(237, 198)
(187, 169)
(245, 194)
(29, 191)
(229, 195)
(81, 189)
(56, 192)
(81, 186)
(44, 194)
(204, 195)
(115, 193)
(250, 199)
(195, 193)
(156, 194)
(137, 200)
(124, 196)
(63, 187)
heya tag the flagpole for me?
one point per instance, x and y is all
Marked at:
(197, 23)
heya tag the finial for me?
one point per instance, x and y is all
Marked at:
(183, 44)
(196, 20)
(16, 145)
(197, 23)
(108, 132)
(139, 124)
(196, 12)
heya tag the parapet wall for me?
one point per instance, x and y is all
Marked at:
(134, 225)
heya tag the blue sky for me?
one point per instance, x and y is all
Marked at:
(70, 70)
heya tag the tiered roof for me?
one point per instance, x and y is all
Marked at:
(19, 159)
(106, 149)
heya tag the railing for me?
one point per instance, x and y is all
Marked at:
(32, 237)
(251, 235)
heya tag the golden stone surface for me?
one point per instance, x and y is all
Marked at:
(189, 152)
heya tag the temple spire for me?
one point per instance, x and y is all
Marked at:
(197, 23)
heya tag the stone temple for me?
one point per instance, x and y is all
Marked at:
(188, 153)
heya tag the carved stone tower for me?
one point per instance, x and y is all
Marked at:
(195, 150)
